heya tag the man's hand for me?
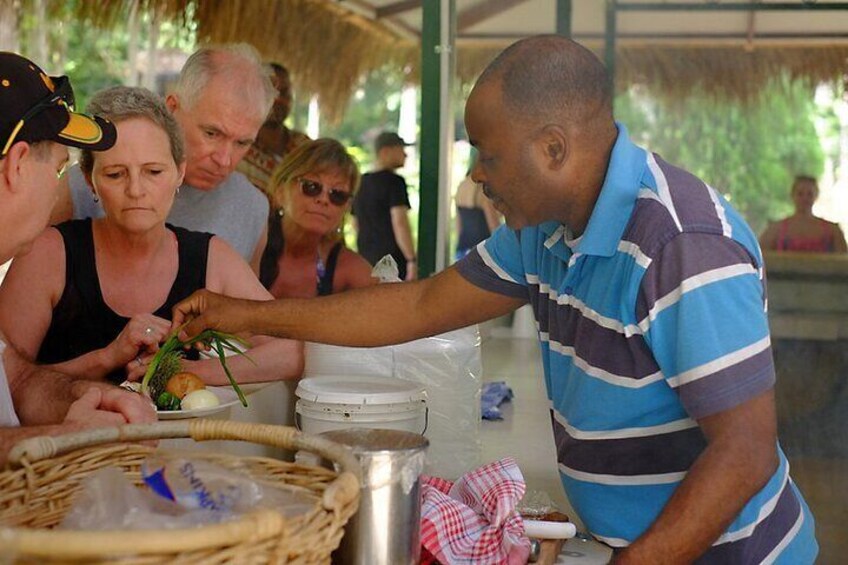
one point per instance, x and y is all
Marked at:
(85, 413)
(207, 310)
(135, 408)
(129, 407)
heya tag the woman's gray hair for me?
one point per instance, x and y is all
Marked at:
(239, 62)
(120, 103)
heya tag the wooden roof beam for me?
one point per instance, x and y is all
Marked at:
(396, 8)
(482, 12)
(755, 6)
(365, 9)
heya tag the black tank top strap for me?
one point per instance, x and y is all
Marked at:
(193, 249)
(325, 283)
(80, 262)
(269, 266)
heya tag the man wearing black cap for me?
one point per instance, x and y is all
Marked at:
(381, 207)
(37, 122)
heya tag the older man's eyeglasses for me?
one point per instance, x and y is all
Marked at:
(63, 94)
(313, 188)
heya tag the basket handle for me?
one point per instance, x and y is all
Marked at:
(338, 493)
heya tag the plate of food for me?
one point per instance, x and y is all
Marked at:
(179, 394)
(200, 403)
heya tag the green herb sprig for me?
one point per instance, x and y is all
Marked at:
(219, 342)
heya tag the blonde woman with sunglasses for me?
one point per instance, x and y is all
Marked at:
(311, 191)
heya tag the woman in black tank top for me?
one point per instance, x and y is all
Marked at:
(105, 310)
(311, 190)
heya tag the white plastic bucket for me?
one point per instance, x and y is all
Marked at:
(338, 403)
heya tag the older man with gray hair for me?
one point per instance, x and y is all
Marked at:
(221, 99)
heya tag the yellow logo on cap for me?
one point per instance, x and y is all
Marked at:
(82, 129)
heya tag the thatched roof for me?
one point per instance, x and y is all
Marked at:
(675, 73)
(727, 72)
(328, 48)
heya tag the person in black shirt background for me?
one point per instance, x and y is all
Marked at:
(381, 208)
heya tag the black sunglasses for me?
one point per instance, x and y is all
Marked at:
(63, 94)
(313, 188)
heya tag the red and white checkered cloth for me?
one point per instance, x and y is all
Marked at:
(474, 521)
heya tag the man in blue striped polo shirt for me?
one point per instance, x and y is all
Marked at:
(649, 295)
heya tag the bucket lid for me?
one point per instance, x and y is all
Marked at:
(371, 440)
(359, 390)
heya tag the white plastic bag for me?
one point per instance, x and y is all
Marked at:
(449, 366)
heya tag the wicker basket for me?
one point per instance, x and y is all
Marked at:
(45, 473)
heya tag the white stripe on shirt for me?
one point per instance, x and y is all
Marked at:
(726, 228)
(569, 300)
(662, 190)
(492, 264)
(623, 480)
(719, 363)
(624, 433)
(692, 283)
(596, 372)
(634, 251)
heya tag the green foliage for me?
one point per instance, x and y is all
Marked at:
(749, 153)
(169, 365)
(375, 106)
(93, 57)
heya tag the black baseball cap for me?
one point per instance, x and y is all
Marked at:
(389, 139)
(37, 107)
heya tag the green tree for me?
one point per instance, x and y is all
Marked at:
(96, 57)
(748, 152)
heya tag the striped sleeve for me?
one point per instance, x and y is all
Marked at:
(495, 265)
(701, 306)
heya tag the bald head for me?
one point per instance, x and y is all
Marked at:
(541, 117)
(552, 79)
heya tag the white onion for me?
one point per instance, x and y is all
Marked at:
(197, 399)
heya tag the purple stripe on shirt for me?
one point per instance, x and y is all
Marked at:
(695, 209)
(604, 348)
(766, 535)
(475, 271)
(686, 255)
(673, 452)
(729, 387)
(650, 226)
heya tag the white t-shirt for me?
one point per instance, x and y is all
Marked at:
(8, 417)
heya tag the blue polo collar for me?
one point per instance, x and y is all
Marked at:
(615, 202)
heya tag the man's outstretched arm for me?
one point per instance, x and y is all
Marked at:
(367, 317)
